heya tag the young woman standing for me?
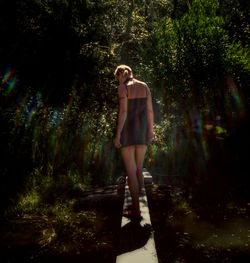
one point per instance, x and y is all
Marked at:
(134, 129)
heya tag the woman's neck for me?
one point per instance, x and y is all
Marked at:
(127, 80)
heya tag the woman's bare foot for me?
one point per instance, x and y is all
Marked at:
(133, 215)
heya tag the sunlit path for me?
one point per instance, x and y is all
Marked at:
(137, 239)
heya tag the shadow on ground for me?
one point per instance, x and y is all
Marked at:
(133, 236)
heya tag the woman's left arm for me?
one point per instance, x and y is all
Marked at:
(122, 93)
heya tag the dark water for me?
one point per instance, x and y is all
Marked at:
(185, 232)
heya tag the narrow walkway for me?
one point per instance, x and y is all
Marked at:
(137, 239)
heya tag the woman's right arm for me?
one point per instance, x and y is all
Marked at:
(122, 114)
(150, 114)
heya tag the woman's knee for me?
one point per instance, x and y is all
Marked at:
(139, 170)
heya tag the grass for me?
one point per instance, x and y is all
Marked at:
(47, 223)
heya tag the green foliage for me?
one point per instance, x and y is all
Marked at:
(186, 57)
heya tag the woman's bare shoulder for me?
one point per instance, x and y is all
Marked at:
(121, 86)
(140, 82)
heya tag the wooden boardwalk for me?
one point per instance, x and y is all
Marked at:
(137, 239)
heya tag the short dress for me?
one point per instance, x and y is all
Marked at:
(136, 127)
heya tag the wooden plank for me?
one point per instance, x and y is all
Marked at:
(148, 179)
(137, 239)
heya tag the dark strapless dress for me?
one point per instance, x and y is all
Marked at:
(136, 127)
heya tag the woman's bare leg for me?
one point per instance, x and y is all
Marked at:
(128, 156)
(140, 151)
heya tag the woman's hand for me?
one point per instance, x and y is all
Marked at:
(151, 135)
(117, 141)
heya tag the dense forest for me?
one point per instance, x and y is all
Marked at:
(59, 103)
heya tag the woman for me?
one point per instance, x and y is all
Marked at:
(134, 130)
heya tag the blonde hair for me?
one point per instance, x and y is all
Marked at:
(126, 72)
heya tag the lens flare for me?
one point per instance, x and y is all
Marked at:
(11, 85)
(22, 104)
(9, 80)
(8, 74)
(235, 100)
